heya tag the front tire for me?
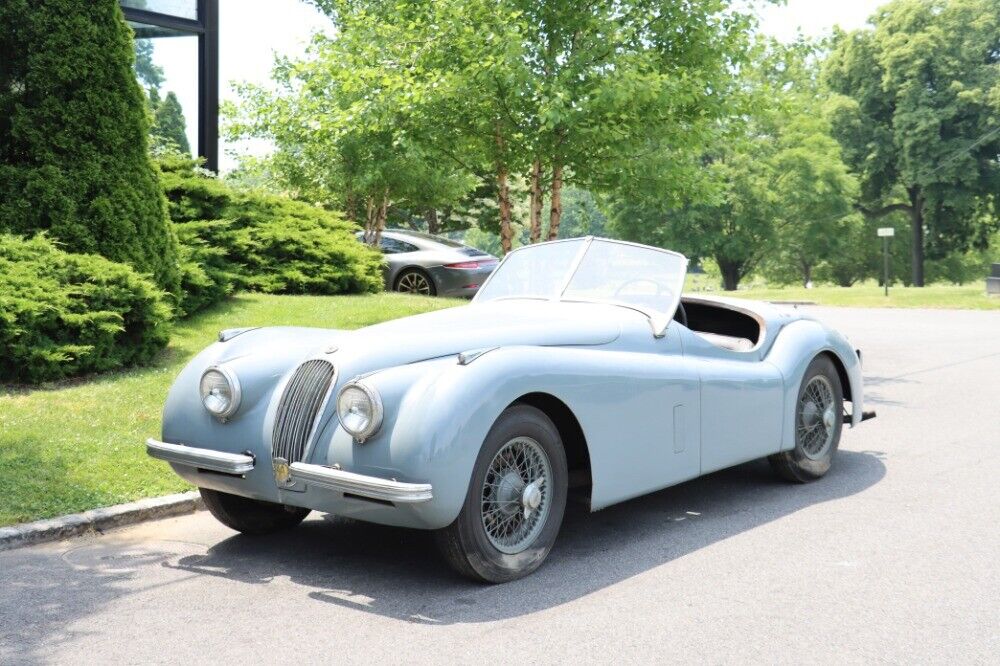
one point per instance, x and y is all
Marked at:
(515, 503)
(819, 419)
(251, 516)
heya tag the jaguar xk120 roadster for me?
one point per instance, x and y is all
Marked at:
(577, 368)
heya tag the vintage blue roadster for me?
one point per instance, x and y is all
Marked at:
(577, 368)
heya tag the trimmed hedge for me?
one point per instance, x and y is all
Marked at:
(65, 314)
(74, 136)
(249, 240)
(290, 247)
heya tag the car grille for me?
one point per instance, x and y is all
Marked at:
(300, 404)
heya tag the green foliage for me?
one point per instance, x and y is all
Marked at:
(582, 216)
(290, 247)
(773, 186)
(73, 136)
(917, 115)
(413, 105)
(251, 240)
(65, 314)
(169, 127)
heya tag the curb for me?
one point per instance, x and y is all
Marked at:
(98, 520)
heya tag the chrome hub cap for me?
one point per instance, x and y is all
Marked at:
(414, 283)
(817, 418)
(515, 495)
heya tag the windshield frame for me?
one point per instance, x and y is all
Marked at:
(659, 321)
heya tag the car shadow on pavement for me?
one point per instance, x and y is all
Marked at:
(397, 572)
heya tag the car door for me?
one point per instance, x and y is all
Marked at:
(742, 403)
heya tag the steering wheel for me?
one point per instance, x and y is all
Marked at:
(620, 289)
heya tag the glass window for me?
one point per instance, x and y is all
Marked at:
(393, 246)
(642, 277)
(181, 8)
(539, 271)
(166, 64)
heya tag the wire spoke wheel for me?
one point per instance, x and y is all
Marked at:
(816, 420)
(515, 497)
(414, 283)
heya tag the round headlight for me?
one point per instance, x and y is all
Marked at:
(220, 392)
(359, 409)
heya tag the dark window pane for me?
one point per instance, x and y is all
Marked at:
(393, 246)
(183, 8)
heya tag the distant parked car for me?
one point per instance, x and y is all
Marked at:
(419, 263)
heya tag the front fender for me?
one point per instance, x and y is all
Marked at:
(260, 358)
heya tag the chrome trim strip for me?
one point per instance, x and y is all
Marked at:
(373, 487)
(216, 461)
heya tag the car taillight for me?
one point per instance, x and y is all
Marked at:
(470, 265)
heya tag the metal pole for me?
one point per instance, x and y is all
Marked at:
(885, 263)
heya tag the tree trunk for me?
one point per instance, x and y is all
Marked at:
(503, 199)
(503, 195)
(917, 225)
(382, 213)
(807, 271)
(536, 201)
(351, 208)
(555, 201)
(730, 275)
(370, 222)
(433, 224)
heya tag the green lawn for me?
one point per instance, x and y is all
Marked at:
(867, 295)
(78, 445)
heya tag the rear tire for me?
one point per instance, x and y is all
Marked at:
(251, 516)
(819, 419)
(415, 281)
(500, 491)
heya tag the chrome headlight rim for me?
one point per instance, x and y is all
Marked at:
(234, 388)
(376, 406)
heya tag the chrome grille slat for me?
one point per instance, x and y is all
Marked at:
(298, 408)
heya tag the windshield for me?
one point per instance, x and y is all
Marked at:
(585, 269)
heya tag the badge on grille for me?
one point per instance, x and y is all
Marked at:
(281, 471)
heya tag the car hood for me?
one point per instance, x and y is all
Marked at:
(478, 326)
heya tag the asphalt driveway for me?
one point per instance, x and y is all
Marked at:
(894, 556)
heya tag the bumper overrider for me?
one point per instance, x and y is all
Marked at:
(361, 485)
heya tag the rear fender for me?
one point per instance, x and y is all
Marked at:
(798, 343)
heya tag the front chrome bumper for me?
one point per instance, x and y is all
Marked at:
(215, 461)
(371, 487)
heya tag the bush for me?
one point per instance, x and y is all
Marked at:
(290, 247)
(256, 241)
(73, 136)
(206, 272)
(65, 314)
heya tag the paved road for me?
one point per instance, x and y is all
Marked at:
(895, 556)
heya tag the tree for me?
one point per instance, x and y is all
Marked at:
(549, 90)
(146, 70)
(345, 134)
(765, 172)
(73, 136)
(814, 189)
(917, 117)
(169, 126)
